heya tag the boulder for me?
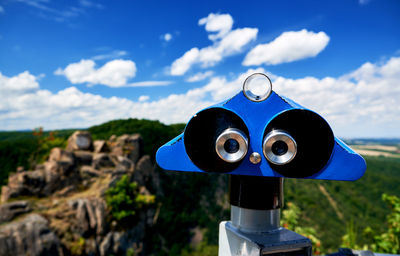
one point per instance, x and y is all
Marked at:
(29, 236)
(39, 167)
(59, 171)
(118, 243)
(54, 176)
(26, 183)
(65, 191)
(83, 157)
(80, 140)
(88, 171)
(124, 166)
(58, 175)
(130, 146)
(102, 160)
(90, 216)
(112, 138)
(100, 146)
(113, 244)
(58, 154)
(10, 210)
(143, 171)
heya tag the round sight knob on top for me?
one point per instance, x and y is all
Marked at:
(231, 145)
(257, 87)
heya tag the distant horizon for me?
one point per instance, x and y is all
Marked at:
(64, 129)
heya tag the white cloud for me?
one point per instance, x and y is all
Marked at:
(143, 98)
(220, 23)
(200, 76)
(1, 9)
(20, 83)
(90, 4)
(114, 73)
(111, 55)
(71, 108)
(289, 46)
(167, 37)
(226, 42)
(149, 83)
(60, 12)
(361, 103)
(183, 64)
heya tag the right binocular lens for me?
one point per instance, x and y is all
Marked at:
(298, 143)
(231, 145)
(279, 147)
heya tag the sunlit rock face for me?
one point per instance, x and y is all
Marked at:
(64, 200)
(80, 140)
(30, 235)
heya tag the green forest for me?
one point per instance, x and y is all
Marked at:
(336, 213)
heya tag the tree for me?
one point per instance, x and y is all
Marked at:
(124, 200)
(387, 242)
(290, 217)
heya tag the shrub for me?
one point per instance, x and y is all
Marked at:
(290, 217)
(124, 200)
(387, 242)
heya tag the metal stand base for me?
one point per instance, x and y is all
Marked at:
(255, 213)
(234, 242)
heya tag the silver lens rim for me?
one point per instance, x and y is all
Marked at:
(279, 135)
(247, 90)
(240, 137)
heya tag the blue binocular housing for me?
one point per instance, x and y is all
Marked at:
(272, 137)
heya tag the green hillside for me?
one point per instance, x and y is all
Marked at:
(27, 148)
(154, 133)
(359, 202)
(26, 135)
(195, 200)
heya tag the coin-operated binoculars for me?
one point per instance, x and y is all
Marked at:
(259, 138)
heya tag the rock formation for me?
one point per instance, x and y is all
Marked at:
(10, 210)
(29, 236)
(64, 211)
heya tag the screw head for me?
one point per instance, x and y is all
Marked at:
(255, 158)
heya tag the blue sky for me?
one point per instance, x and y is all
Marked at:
(68, 64)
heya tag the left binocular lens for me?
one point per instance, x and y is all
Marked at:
(231, 145)
(216, 140)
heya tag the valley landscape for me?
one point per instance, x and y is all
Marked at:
(174, 213)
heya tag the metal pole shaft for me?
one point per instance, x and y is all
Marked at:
(255, 202)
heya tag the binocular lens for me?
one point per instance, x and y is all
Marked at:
(216, 140)
(231, 145)
(279, 147)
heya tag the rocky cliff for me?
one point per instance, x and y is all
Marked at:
(59, 208)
